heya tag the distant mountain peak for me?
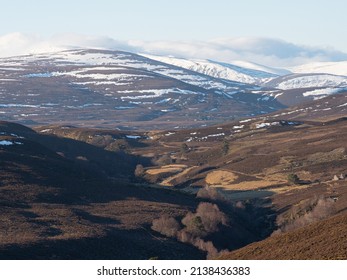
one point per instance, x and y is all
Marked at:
(243, 72)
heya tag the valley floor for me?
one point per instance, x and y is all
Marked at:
(274, 191)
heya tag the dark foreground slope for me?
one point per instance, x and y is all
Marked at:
(64, 198)
(323, 240)
(54, 207)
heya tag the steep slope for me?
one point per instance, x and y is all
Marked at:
(111, 162)
(323, 240)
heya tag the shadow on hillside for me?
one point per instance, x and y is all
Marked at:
(90, 158)
(115, 245)
(51, 169)
(93, 218)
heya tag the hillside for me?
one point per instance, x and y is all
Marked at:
(114, 89)
(328, 105)
(127, 91)
(55, 206)
(77, 192)
(76, 197)
(324, 240)
(247, 165)
(240, 71)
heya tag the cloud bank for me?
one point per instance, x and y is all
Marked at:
(267, 51)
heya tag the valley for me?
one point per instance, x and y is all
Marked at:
(64, 187)
(115, 155)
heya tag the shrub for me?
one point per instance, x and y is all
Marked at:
(184, 148)
(293, 178)
(139, 170)
(225, 147)
(194, 225)
(311, 211)
(211, 216)
(197, 226)
(163, 160)
(211, 193)
(206, 220)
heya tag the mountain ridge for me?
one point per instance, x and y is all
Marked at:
(104, 88)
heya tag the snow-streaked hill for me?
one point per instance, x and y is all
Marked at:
(104, 88)
(112, 88)
(296, 81)
(130, 60)
(244, 72)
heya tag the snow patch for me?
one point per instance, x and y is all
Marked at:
(124, 107)
(48, 130)
(262, 125)
(9, 143)
(19, 105)
(39, 75)
(154, 93)
(133, 136)
(238, 126)
(321, 93)
(213, 135)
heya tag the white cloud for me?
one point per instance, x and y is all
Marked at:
(267, 51)
(271, 52)
(21, 44)
(18, 44)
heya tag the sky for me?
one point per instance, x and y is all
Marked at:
(218, 29)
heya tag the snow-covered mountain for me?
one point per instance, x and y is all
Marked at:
(114, 88)
(105, 88)
(296, 81)
(243, 72)
(323, 80)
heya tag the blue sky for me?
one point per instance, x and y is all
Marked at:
(310, 23)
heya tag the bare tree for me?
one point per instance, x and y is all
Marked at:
(166, 225)
(139, 170)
